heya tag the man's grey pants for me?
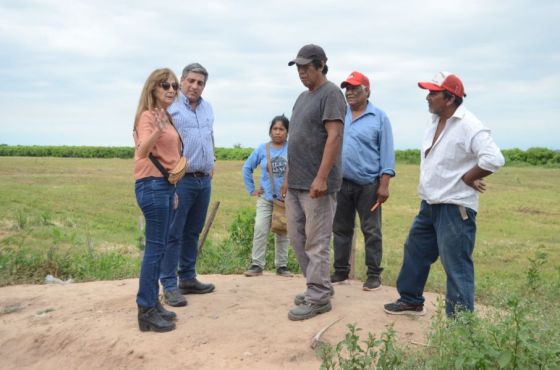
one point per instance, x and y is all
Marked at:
(309, 230)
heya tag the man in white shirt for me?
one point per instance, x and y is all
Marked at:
(457, 153)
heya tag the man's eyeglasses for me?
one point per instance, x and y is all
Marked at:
(166, 85)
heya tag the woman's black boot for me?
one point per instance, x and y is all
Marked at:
(149, 318)
(166, 315)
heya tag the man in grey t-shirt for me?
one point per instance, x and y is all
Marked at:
(314, 178)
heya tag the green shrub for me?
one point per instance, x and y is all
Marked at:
(235, 153)
(513, 337)
(373, 353)
(234, 254)
(533, 156)
(26, 264)
(409, 156)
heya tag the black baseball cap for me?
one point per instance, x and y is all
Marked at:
(309, 53)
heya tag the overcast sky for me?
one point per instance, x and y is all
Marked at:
(71, 71)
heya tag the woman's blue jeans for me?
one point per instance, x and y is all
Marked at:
(439, 230)
(155, 198)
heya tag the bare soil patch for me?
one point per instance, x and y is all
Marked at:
(242, 325)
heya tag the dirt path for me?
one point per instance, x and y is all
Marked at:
(243, 325)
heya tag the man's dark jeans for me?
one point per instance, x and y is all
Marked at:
(439, 230)
(351, 198)
(182, 249)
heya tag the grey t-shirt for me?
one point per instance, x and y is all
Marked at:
(308, 136)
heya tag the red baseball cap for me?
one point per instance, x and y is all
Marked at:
(355, 79)
(445, 81)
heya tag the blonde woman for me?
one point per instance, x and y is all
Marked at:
(155, 134)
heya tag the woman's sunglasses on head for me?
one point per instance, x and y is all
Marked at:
(166, 85)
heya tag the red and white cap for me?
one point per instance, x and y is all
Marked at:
(355, 79)
(445, 81)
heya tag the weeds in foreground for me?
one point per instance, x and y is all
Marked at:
(514, 337)
(372, 353)
(521, 332)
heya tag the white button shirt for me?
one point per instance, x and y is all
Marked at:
(463, 143)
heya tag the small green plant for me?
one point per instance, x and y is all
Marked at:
(21, 220)
(372, 353)
(241, 229)
(45, 219)
(535, 268)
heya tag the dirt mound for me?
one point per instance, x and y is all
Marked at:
(242, 325)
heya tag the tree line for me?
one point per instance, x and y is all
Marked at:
(533, 156)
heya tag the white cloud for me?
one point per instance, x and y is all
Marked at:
(71, 71)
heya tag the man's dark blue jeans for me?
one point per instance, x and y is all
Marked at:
(182, 249)
(440, 230)
(154, 196)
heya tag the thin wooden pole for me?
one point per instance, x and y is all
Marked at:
(207, 226)
(352, 273)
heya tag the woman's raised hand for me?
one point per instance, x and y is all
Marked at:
(161, 119)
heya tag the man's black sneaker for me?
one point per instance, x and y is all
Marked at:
(254, 270)
(372, 283)
(283, 271)
(337, 278)
(300, 298)
(194, 286)
(308, 310)
(402, 308)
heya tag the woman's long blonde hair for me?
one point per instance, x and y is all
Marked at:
(147, 98)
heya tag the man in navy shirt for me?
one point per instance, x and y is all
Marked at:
(368, 163)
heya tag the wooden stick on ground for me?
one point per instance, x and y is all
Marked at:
(207, 226)
(317, 338)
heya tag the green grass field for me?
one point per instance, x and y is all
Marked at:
(90, 202)
(78, 218)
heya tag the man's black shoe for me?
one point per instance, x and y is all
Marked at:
(337, 278)
(402, 308)
(283, 271)
(372, 283)
(194, 286)
(254, 270)
(308, 310)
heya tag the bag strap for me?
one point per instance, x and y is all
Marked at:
(159, 166)
(155, 161)
(269, 168)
